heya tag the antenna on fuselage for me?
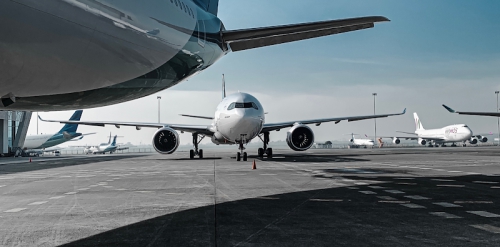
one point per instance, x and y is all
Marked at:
(223, 87)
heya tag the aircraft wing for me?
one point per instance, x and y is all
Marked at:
(194, 116)
(277, 126)
(491, 114)
(200, 129)
(244, 39)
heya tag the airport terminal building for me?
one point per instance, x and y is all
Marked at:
(14, 127)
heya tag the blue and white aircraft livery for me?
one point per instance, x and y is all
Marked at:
(104, 148)
(238, 119)
(67, 133)
(76, 54)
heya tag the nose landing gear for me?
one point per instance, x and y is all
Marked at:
(196, 152)
(265, 149)
(241, 154)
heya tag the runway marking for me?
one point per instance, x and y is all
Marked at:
(102, 183)
(439, 170)
(426, 168)
(56, 197)
(484, 214)
(37, 203)
(205, 174)
(454, 171)
(237, 174)
(473, 173)
(144, 191)
(411, 205)
(71, 193)
(445, 215)
(360, 183)
(121, 189)
(14, 210)
(418, 197)
(495, 187)
(407, 183)
(451, 185)
(394, 191)
(367, 192)
(111, 180)
(174, 193)
(485, 182)
(387, 198)
(107, 186)
(84, 189)
(320, 178)
(443, 180)
(447, 205)
(376, 187)
(85, 176)
(473, 202)
(2, 186)
(267, 174)
(326, 200)
(65, 176)
(404, 178)
(486, 227)
(348, 180)
(353, 188)
(180, 174)
(94, 185)
(7, 178)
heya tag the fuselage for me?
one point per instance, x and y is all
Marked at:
(46, 141)
(451, 133)
(363, 142)
(69, 54)
(238, 118)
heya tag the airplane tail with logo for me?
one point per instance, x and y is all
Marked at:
(114, 141)
(418, 124)
(211, 6)
(71, 128)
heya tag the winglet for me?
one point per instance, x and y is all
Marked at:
(40, 118)
(449, 109)
(404, 111)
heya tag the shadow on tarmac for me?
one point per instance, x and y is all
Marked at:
(328, 217)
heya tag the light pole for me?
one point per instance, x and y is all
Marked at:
(159, 98)
(374, 112)
(37, 122)
(498, 120)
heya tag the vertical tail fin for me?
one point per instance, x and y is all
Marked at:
(71, 128)
(418, 124)
(114, 141)
(223, 87)
(212, 6)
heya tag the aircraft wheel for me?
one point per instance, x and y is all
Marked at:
(200, 154)
(260, 152)
(191, 154)
(269, 152)
(245, 156)
(238, 156)
(464, 145)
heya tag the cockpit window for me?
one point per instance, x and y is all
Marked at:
(242, 105)
(466, 126)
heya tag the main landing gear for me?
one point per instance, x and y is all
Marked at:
(196, 140)
(268, 151)
(241, 154)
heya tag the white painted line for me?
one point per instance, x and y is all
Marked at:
(70, 193)
(411, 205)
(102, 183)
(445, 215)
(108, 186)
(237, 174)
(353, 188)
(267, 174)
(484, 214)
(386, 198)
(407, 183)
(37, 203)
(2, 186)
(404, 178)
(495, 187)
(447, 205)
(485, 182)
(451, 185)
(443, 180)
(56, 197)
(14, 210)
(121, 189)
(367, 192)
(376, 187)
(326, 200)
(394, 191)
(392, 201)
(488, 228)
(418, 197)
(84, 189)
(473, 202)
(440, 170)
(360, 183)
(65, 176)
(473, 173)
(455, 171)
(174, 193)
(144, 191)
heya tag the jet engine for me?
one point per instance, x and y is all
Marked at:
(165, 140)
(421, 141)
(300, 137)
(396, 140)
(473, 140)
(482, 138)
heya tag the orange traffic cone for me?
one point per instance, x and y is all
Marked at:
(254, 166)
(30, 159)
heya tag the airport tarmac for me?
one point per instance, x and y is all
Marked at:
(358, 197)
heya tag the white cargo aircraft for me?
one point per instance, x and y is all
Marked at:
(239, 118)
(360, 142)
(435, 137)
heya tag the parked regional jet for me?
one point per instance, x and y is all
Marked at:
(360, 142)
(435, 137)
(67, 133)
(239, 118)
(74, 54)
(103, 148)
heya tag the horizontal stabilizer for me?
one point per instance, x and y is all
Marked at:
(193, 116)
(245, 39)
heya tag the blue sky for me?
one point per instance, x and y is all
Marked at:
(432, 52)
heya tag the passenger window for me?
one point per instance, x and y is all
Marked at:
(185, 10)
(176, 3)
(181, 4)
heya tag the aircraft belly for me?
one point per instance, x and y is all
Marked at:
(65, 46)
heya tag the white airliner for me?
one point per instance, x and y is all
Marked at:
(436, 137)
(120, 50)
(360, 142)
(239, 118)
(67, 133)
(103, 148)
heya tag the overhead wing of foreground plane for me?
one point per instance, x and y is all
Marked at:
(239, 118)
(490, 114)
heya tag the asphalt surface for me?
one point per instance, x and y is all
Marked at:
(358, 197)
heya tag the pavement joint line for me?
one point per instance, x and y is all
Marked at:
(15, 210)
(488, 228)
(484, 214)
(447, 204)
(37, 203)
(445, 215)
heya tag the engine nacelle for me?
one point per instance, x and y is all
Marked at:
(421, 141)
(396, 140)
(300, 138)
(166, 140)
(473, 140)
(482, 138)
